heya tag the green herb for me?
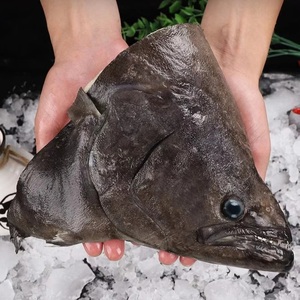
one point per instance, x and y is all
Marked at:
(191, 11)
(171, 12)
(291, 48)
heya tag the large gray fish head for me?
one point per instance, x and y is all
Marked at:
(197, 182)
(156, 153)
(215, 209)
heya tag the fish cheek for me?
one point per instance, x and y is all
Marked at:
(135, 126)
(173, 192)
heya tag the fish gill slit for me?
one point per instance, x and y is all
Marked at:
(149, 152)
(166, 238)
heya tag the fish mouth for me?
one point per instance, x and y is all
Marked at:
(270, 246)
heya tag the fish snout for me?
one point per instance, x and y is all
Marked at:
(260, 248)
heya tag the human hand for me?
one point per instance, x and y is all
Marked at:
(80, 53)
(239, 33)
(231, 28)
(253, 114)
(59, 91)
(85, 37)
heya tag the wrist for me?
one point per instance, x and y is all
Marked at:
(79, 26)
(239, 33)
(85, 35)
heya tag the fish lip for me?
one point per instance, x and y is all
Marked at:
(216, 233)
(266, 244)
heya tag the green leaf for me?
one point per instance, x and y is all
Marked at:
(167, 22)
(292, 50)
(135, 25)
(175, 7)
(180, 19)
(192, 2)
(154, 26)
(141, 35)
(163, 20)
(130, 32)
(202, 4)
(193, 19)
(188, 11)
(140, 23)
(146, 22)
(176, 13)
(164, 4)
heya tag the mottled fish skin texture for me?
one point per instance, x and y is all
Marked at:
(155, 153)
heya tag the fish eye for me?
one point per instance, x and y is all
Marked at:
(233, 208)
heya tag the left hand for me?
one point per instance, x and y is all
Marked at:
(81, 51)
(59, 91)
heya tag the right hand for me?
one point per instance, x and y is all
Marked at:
(239, 33)
(253, 113)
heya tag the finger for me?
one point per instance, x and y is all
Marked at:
(167, 258)
(93, 249)
(114, 249)
(187, 261)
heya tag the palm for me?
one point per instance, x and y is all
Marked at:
(59, 91)
(252, 109)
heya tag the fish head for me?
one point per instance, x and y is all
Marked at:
(156, 153)
(200, 184)
(213, 205)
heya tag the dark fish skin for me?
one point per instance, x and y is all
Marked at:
(151, 154)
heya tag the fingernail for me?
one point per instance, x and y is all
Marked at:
(167, 258)
(114, 252)
(187, 261)
(93, 249)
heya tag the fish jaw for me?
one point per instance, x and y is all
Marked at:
(267, 249)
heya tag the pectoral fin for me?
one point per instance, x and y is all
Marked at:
(82, 106)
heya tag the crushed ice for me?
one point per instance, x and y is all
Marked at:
(48, 272)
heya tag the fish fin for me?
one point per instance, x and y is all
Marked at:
(16, 238)
(82, 106)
